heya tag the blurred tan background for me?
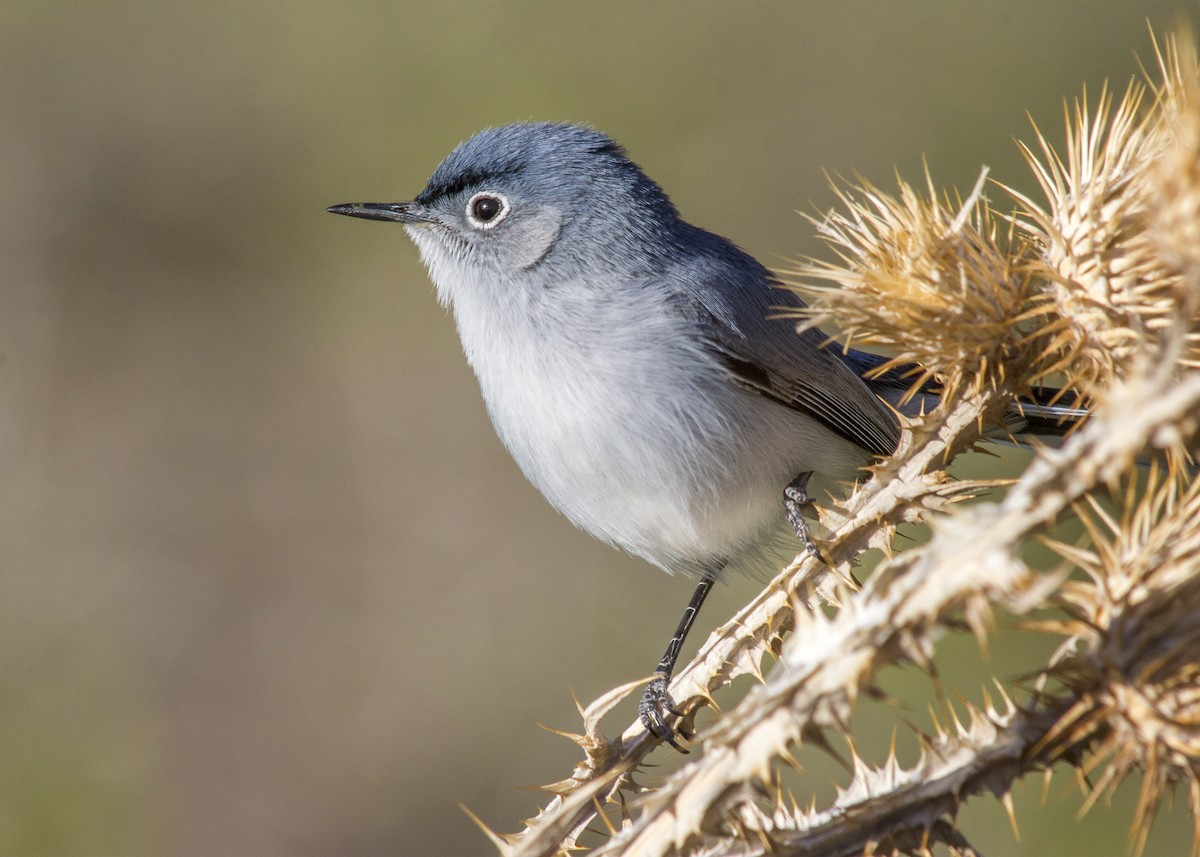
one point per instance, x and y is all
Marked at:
(268, 583)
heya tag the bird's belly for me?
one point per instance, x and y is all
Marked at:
(687, 472)
(639, 490)
(630, 428)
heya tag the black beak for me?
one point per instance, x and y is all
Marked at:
(396, 212)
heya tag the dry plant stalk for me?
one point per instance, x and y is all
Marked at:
(1097, 282)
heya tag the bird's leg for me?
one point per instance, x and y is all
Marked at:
(656, 699)
(795, 501)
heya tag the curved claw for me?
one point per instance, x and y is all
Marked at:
(795, 503)
(656, 703)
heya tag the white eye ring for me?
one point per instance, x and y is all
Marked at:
(486, 209)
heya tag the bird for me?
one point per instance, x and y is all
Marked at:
(643, 372)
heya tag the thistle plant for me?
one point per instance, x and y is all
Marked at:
(1092, 284)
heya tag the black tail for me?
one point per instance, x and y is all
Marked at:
(1046, 412)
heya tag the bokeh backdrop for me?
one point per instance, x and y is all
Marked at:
(268, 583)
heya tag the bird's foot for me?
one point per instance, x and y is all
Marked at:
(796, 502)
(654, 709)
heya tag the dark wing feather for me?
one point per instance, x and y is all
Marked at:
(736, 305)
(829, 409)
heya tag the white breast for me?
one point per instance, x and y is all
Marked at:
(621, 419)
(617, 413)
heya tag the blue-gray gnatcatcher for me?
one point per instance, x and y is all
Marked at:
(634, 365)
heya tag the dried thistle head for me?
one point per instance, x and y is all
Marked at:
(934, 279)
(1133, 626)
(1120, 226)
(1175, 181)
(1087, 283)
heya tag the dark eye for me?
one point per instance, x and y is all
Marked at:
(485, 210)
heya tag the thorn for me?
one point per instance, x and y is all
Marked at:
(606, 702)
(574, 737)
(1004, 696)
(501, 845)
(1007, 800)
(937, 724)
(578, 705)
(600, 814)
(789, 759)
(958, 724)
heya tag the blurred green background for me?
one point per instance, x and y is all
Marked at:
(268, 583)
